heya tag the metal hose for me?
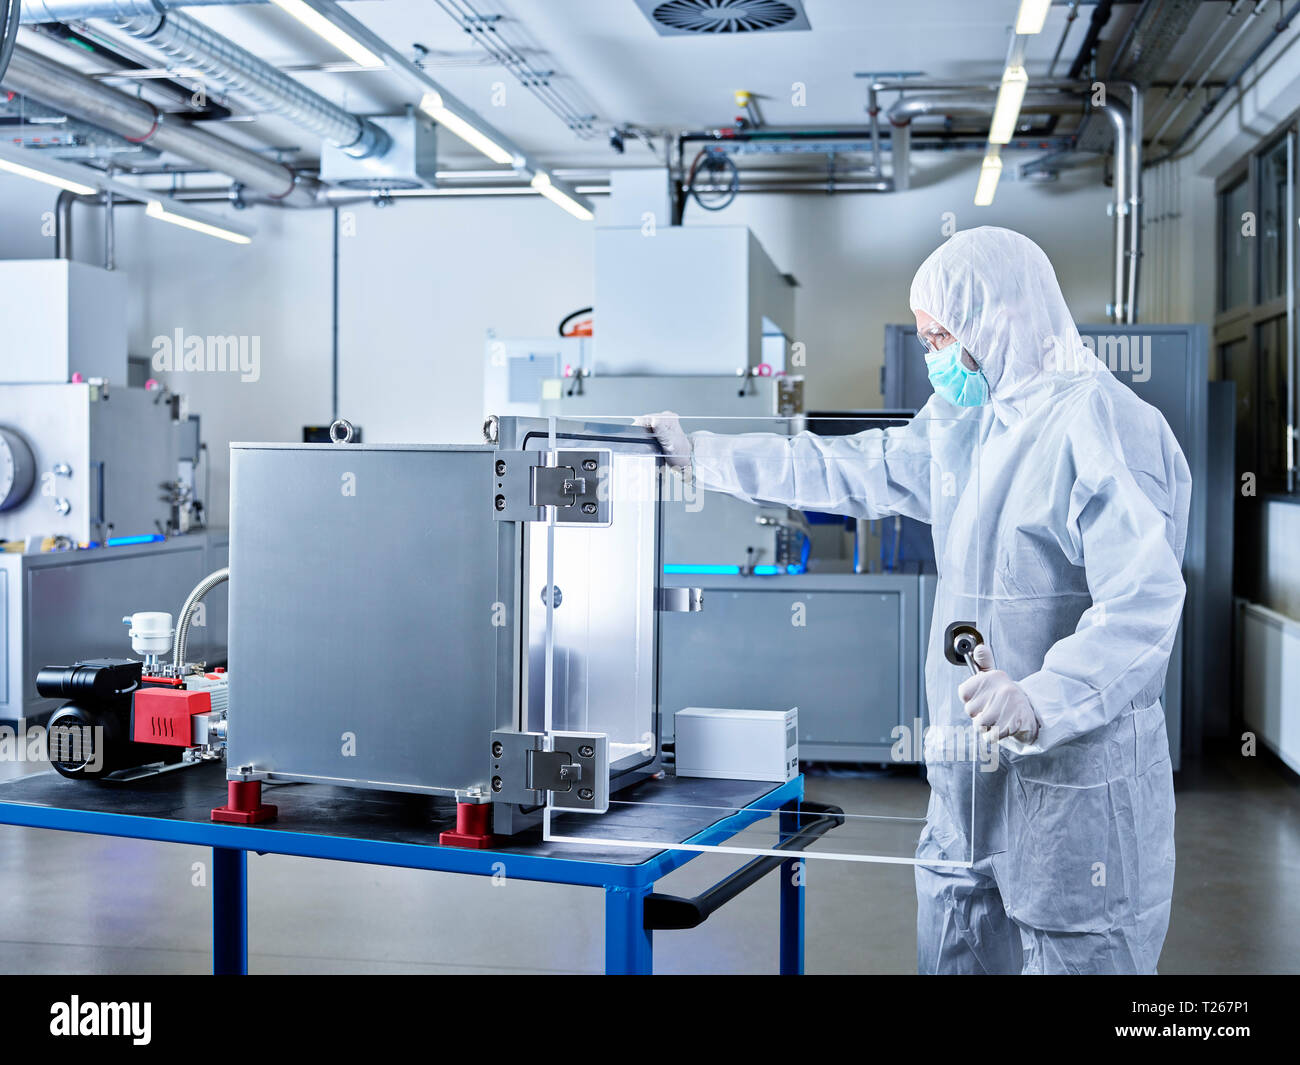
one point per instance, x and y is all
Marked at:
(220, 62)
(183, 624)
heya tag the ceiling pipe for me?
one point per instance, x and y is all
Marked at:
(1070, 16)
(873, 111)
(141, 123)
(1134, 203)
(1101, 13)
(220, 62)
(69, 10)
(907, 108)
(1121, 123)
(1126, 203)
(63, 219)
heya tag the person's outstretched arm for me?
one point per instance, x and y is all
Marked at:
(870, 475)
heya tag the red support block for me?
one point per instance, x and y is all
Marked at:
(244, 805)
(473, 827)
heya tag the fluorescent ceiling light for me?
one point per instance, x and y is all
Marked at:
(542, 183)
(324, 28)
(1033, 13)
(990, 171)
(1011, 95)
(155, 209)
(47, 171)
(431, 104)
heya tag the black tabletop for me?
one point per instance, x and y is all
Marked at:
(668, 809)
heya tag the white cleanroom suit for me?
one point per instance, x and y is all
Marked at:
(1059, 511)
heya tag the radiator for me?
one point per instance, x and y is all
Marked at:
(1270, 679)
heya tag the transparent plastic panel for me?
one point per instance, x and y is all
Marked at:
(591, 610)
(807, 545)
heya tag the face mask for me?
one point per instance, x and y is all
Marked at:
(951, 380)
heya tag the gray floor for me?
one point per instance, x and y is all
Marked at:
(73, 903)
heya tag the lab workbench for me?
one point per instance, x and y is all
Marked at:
(398, 829)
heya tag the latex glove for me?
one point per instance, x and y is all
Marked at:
(667, 428)
(996, 702)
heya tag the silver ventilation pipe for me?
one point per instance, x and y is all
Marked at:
(140, 122)
(220, 62)
(63, 220)
(1119, 118)
(909, 107)
(67, 10)
(1134, 204)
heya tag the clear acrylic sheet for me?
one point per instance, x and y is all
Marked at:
(779, 628)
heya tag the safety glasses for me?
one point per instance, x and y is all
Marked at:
(934, 338)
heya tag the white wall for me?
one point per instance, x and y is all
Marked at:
(422, 281)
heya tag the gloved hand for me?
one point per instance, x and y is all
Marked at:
(667, 428)
(996, 702)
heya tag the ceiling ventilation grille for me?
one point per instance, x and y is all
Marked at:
(678, 17)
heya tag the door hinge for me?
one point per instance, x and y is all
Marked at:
(577, 486)
(573, 775)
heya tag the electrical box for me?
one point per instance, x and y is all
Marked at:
(738, 744)
(62, 318)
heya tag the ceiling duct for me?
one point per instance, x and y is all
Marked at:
(1151, 37)
(63, 10)
(218, 61)
(141, 123)
(676, 18)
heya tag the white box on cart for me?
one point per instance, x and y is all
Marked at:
(737, 744)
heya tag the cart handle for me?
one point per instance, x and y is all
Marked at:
(667, 912)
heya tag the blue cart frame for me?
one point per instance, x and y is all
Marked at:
(629, 945)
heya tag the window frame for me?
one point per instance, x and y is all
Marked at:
(1244, 321)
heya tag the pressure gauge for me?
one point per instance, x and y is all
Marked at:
(17, 469)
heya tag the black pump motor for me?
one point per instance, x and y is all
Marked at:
(90, 736)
